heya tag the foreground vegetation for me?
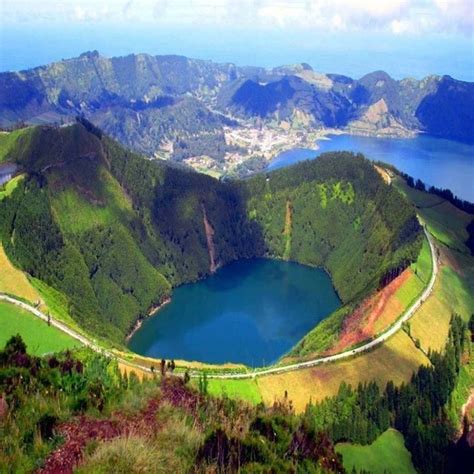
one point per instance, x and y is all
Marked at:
(118, 423)
(130, 426)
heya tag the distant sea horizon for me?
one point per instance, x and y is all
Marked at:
(25, 46)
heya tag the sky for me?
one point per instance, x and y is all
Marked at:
(404, 37)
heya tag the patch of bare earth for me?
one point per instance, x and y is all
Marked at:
(210, 241)
(360, 325)
(383, 173)
(448, 257)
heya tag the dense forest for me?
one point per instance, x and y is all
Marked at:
(86, 396)
(115, 232)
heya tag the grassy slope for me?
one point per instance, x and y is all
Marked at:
(38, 336)
(387, 454)
(10, 186)
(454, 288)
(421, 275)
(395, 360)
(55, 303)
(445, 221)
(14, 281)
(8, 141)
(246, 389)
(77, 215)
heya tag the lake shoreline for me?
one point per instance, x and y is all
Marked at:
(152, 312)
(439, 162)
(251, 311)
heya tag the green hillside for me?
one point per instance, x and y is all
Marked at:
(387, 454)
(37, 335)
(115, 232)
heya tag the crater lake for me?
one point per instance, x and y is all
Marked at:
(250, 312)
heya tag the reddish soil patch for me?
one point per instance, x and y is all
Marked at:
(322, 374)
(288, 218)
(77, 434)
(359, 325)
(448, 258)
(210, 241)
(81, 430)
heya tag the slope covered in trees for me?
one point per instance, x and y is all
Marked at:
(115, 232)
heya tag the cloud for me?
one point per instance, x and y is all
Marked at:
(128, 5)
(391, 16)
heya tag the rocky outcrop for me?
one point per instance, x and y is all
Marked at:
(209, 230)
(377, 120)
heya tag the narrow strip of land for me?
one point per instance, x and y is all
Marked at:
(258, 372)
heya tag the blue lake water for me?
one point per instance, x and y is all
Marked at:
(438, 162)
(251, 311)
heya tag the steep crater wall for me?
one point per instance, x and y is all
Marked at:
(115, 232)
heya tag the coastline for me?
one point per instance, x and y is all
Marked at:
(267, 142)
(152, 311)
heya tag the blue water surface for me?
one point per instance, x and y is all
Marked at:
(438, 162)
(251, 311)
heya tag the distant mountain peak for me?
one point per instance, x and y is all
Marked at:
(90, 54)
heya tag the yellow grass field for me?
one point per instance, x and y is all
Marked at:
(395, 360)
(14, 282)
(453, 293)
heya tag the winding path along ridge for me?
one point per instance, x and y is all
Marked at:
(257, 372)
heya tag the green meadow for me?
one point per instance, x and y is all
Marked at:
(9, 187)
(387, 454)
(39, 337)
(8, 140)
(245, 389)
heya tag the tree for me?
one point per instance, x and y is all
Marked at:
(15, 345)
(203, 384)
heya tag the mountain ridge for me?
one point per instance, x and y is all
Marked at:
(147, 101)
